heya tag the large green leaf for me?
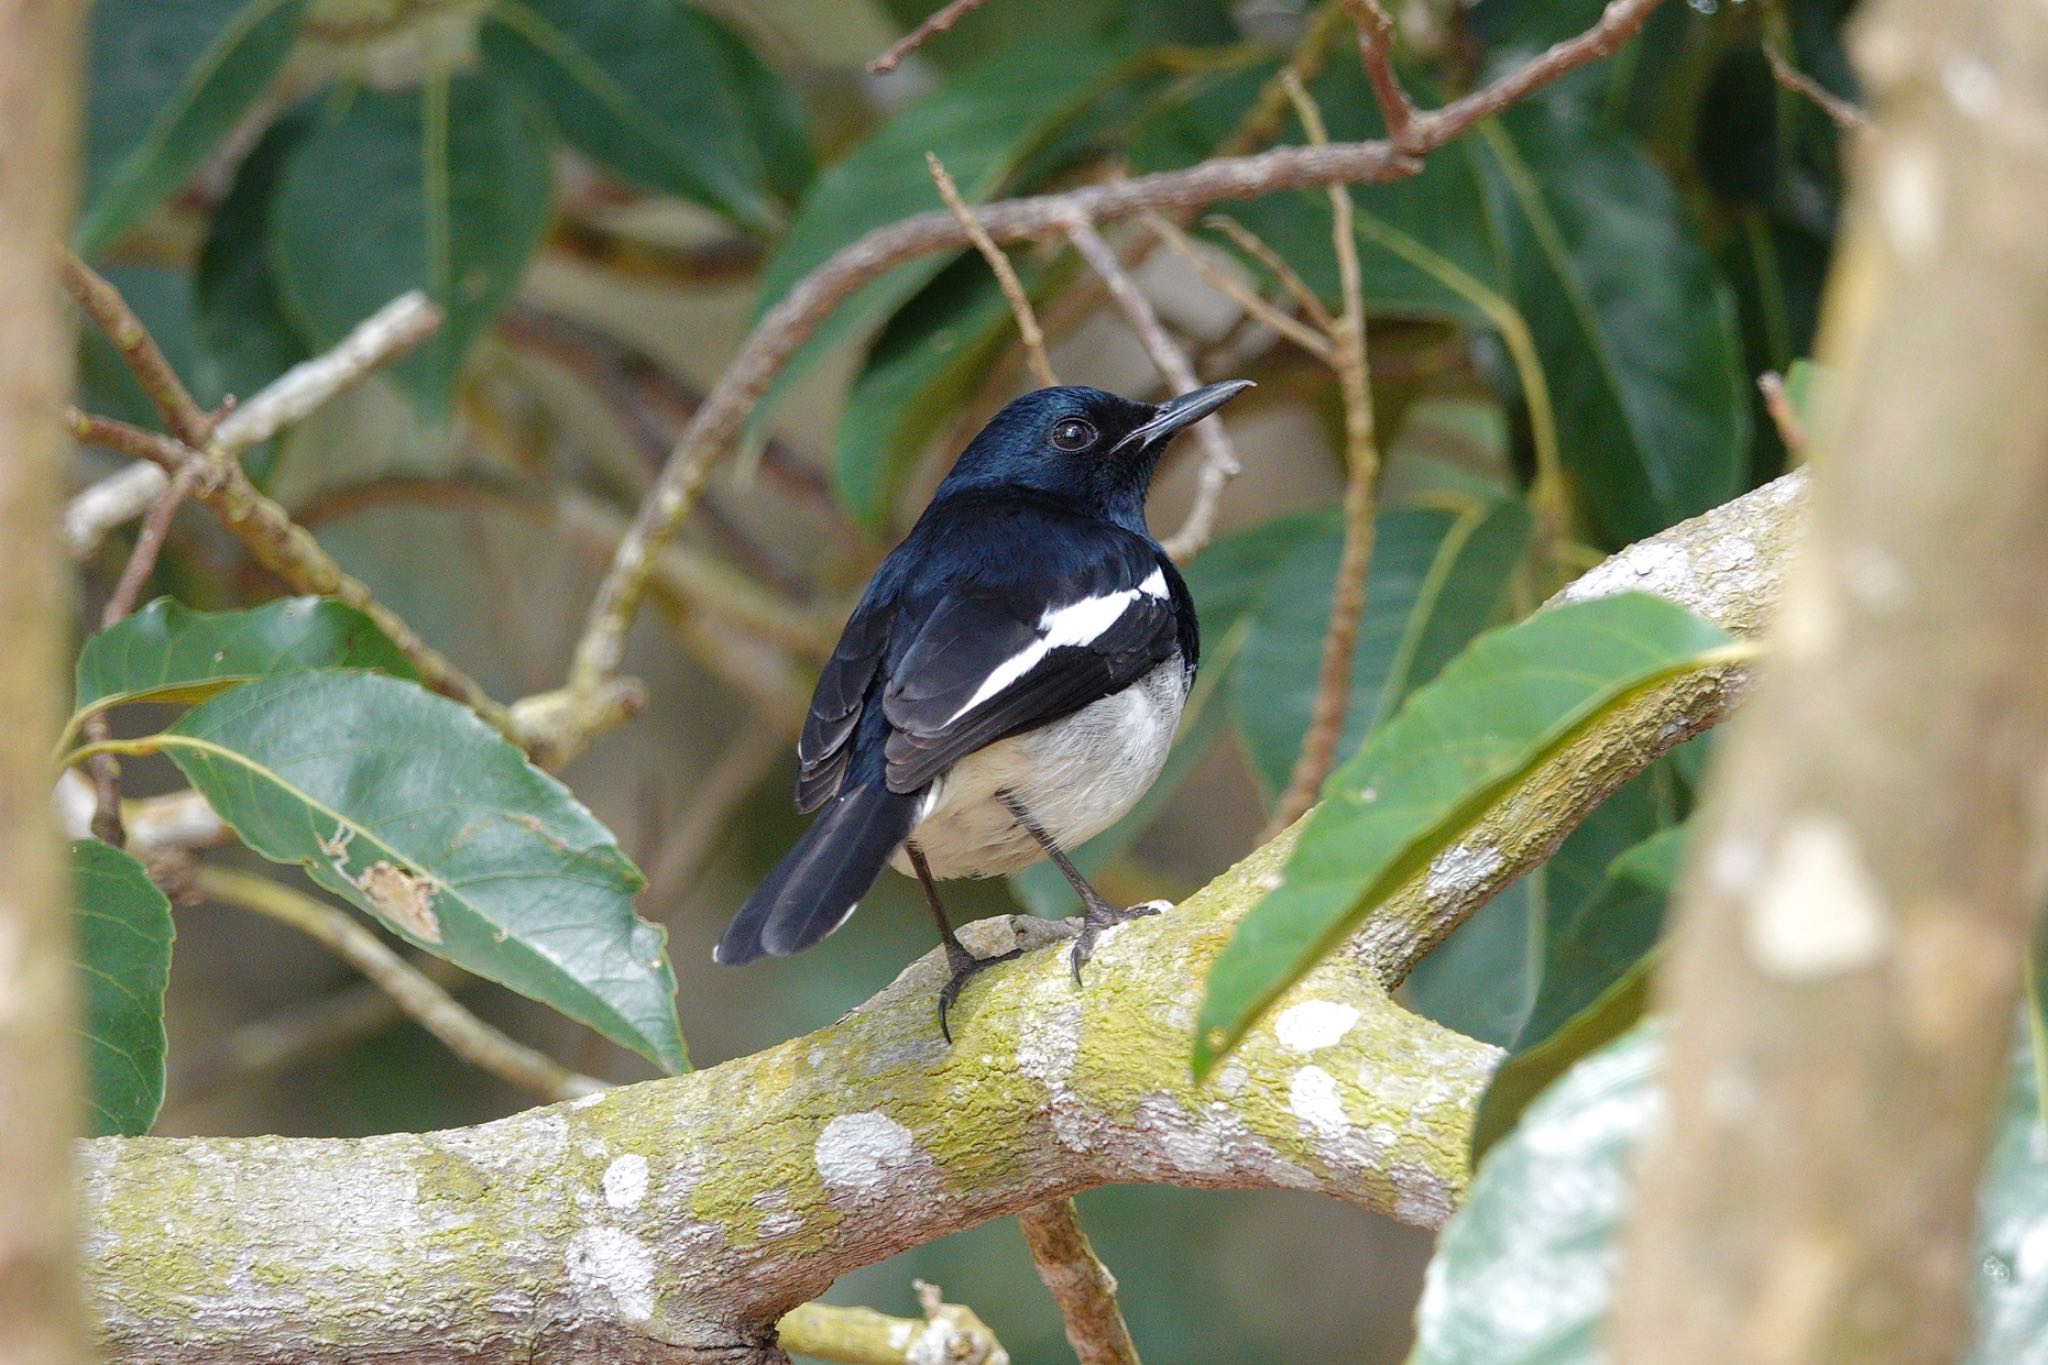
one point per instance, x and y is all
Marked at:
(1525, 1273)
(169, 78)
(408, 806)
(981, 124)
(652, 89)
(932, 355)
(1594, 983)
(247, 332)
(1435, 581)
(442, 188)
(1635, 327)
(124, 961)
(1401, 804)
(167, 652)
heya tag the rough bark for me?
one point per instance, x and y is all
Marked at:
(676, 1220)
(41, 1314)
(1850, 949)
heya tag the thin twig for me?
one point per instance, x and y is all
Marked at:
(1005, 273)
(183, 418)
(861, 1336)
(1784, 416)
(1361, 460)
(272, 537)
(1079, 1283)
(1846, 116)
(438, 1012)
(936, 23)
(1376, 53)
(156, 528)
(1289, 279)
(1220, 463)
(581, 708)
(1254, 304)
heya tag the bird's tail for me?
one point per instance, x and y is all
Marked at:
(819, 882)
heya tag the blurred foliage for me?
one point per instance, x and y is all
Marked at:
(1594, 279)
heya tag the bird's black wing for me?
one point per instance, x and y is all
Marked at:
(1079, 615)
(823, 748)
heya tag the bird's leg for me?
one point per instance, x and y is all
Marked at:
(963, 963)
(1097, 913)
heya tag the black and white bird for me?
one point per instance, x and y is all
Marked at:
(1008, 685)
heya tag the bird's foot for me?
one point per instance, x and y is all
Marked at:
(1101, 915)
(964, 965)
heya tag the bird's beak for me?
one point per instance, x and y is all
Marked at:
(1183, 411)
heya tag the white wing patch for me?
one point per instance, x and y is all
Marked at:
(1077, 623)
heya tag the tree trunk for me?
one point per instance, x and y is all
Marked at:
(1850, 942)
(42, 1318)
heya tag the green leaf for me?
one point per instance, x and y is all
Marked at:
(1435, 581)
(1525, 1273)
(653, 89)
(981, 123)
(1594, 982)
(167, 652)
(1489, 719)
(169, 79)
(409, 807)
(1635, 327)
(442, 188)
(124, 962)
(243, 324)
(932, 355)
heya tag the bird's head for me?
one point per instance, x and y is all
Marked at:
(1083, 444)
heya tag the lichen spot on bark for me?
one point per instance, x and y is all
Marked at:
(1314, 1024)
(1816, 911)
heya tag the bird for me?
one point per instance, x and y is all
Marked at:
(1008, 684)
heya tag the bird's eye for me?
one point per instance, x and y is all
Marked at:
(1073, 433)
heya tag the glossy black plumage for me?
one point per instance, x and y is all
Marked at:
(1029, 589)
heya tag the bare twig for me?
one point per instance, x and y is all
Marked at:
(162, 453)
(860, 1336)
(272, 537)
(1290, 279)
(1846, 116)
(936, 23)
(1254, 304)
(1079, 1283)
(1220, 463)
(1376, 52)
(438, 1012)
(1784, 416)
(583, 707)
(1361, 461)
(156, 528)
(1005, 273)
(183, 418)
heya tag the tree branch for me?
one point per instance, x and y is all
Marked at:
(1028, 329)
(940, 19)
(586, 704)
(948, 1333)
(42, 1317)
(1079, 1283)
(677, 1219)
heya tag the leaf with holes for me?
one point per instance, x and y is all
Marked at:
(442, 188)
(124, 961)
(167, 652)
(656, 90)
(169, 79)
(1490, 718)
(409, 807)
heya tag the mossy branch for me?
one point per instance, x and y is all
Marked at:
(678, 1220)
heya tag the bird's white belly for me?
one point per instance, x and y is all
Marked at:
(1076, 776)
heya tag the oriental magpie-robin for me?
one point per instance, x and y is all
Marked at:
(1008, 685)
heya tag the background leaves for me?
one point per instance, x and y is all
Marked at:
(124, 963)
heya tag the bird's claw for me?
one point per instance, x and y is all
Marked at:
(1104, 916)
(965, 965)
